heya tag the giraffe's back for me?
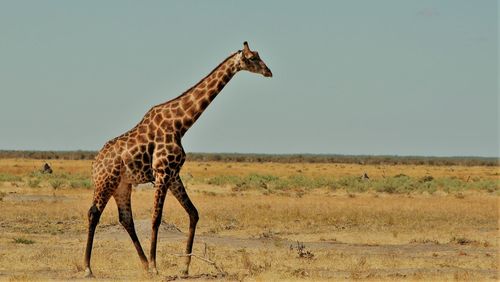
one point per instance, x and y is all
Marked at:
(115, 163)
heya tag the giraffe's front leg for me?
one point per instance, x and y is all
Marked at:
(180, 194)
(94, 214)
(160, 194)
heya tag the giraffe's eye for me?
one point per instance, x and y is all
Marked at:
(254, 59)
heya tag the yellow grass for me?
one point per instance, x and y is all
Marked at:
(253, 236)
(210, 169)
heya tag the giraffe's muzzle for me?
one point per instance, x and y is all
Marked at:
(268, 73)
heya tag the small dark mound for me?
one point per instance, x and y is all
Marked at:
(46, 169)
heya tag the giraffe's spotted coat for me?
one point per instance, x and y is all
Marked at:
(152, 152)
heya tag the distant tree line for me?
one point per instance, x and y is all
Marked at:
(260, 158)
(345, 159)
(49, 155)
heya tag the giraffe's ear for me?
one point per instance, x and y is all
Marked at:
(246, 49)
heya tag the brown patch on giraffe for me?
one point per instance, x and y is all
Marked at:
(157, 118)
(212, 83)
(187, 103)
(188, 122)
(142, 138)
(131, 146)
(204, 103)
(159, 132)
(212, 93)
(146, 158)
(158, 139)
(169, 138)
(134, 150)
(142, 129)
(164, 124)
(151, 135)
(152, 127)
(177, 124)
(220, 85)
(143, 147)
(191, 112)
(179, 112)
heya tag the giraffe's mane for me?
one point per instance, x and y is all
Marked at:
(201, 80)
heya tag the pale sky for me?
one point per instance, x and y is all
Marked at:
(350, 77)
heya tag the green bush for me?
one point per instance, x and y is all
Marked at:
(398, 184)
(80, 183)
(9, 177)
(255, 181)
(23, 241)
(487, 185)
(351, 184)
(56, 183)
(34, 182)
(222, 180)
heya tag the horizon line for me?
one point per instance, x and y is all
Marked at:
(284, 154)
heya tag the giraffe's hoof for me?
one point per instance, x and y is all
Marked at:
(153, 271)
(88, 273)
(185, 272)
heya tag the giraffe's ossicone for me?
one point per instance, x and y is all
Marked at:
(152, 152)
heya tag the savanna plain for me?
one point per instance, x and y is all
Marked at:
(263, 221)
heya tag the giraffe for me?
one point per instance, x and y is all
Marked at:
(152, 152)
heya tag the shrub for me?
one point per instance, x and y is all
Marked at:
(56, 183)
(398, 184)
(487, 185)
(351, 184)
(256, 181)
(80, 183)
(427, 178)
(34, 182)
(221, 180)
(9, 177)
(23, 241)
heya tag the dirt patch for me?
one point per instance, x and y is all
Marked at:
(143, 229)
(202, 277)
(169, 231)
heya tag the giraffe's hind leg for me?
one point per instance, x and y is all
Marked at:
(160, 194)
(101, 198)
(181, 195)
(122, 198)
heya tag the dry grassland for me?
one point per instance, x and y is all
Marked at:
(260, 233)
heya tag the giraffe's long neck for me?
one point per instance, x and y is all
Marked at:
(188, 107)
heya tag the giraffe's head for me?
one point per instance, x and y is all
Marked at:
(250, 61)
